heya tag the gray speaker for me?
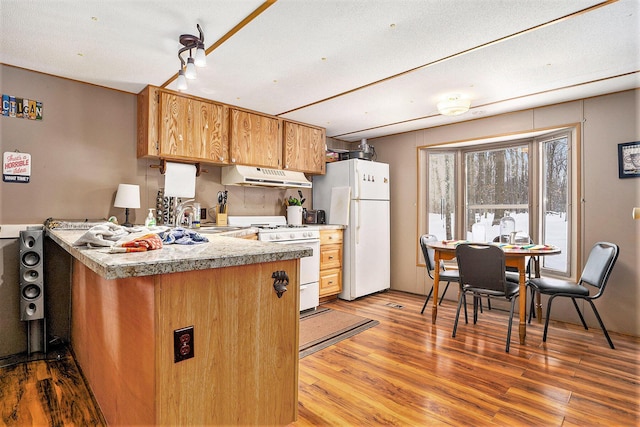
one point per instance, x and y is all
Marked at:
(31, 275)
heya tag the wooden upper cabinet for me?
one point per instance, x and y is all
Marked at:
(304, 148)
(148, 116)
(178, 127)
(181, 127)
(254, 139)
(192, 129)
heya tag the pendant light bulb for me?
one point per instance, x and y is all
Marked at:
(190, 72)
(201, 57)
(182, 81)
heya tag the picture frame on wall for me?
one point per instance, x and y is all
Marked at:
(629, 159)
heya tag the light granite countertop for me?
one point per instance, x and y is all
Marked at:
(221, 251)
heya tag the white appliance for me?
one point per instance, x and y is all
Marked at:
(275, 229)
(355, 193)
(251, 175)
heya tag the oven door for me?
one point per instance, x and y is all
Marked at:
(309, 273)
(309, 266)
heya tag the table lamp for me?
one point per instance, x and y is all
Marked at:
(128, 196)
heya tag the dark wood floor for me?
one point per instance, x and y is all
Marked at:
(407, 372)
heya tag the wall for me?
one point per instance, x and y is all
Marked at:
(608, 201)
(81, 150)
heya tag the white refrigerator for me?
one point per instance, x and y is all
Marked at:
(355, 193)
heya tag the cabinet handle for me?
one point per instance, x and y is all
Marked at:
(280, 283)
(180, 137)
(221, 158)
(330, 257)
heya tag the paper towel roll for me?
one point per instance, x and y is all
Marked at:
(180, 180)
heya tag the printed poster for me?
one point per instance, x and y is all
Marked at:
(16, 167)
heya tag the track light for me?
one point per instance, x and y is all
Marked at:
(201, 56)
(182, 81)
(188, 69)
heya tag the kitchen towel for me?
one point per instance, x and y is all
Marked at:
(339, 211)
(180, 180)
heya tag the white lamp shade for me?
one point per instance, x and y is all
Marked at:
(453, 105)
(128, 196)
(190, 72)
(182, 81)
(201, 58)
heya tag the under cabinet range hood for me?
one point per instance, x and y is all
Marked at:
(251, 175)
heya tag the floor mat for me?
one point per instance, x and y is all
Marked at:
(324, 327)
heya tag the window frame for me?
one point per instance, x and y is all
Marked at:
(535, 140)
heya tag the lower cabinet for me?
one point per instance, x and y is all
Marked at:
(244, 369)
(330, 263)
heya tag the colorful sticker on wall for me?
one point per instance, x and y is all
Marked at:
(16, 167)
(21, 108)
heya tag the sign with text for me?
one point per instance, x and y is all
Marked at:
(21, 108)
(16, 167)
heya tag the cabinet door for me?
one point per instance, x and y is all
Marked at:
(304, 148)
(193, 130)
(148, 122)
(176, 125)
(254, 139)
(211, 127)
(245, 365)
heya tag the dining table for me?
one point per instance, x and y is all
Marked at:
(515, 256)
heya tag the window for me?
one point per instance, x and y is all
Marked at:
(471, 187)
(555, 200)
(497, 185)
(442, 195)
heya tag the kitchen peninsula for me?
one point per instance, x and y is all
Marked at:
(126, 308)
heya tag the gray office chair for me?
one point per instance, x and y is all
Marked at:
(482, 273)
(429, 259)
(596, 273)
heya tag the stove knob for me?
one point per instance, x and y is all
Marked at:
(277, 237)
(292, 236)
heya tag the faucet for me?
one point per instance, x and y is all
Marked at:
(180, 211)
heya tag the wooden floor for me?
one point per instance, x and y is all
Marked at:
(407, 372)
(46, 392)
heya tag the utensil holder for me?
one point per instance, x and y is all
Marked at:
(221, 218)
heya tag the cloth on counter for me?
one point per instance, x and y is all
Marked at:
(141, 241)
(105, 234)
(182, 236)
(108, 234)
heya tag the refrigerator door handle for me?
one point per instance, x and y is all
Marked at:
(356, 207)
(358, 186)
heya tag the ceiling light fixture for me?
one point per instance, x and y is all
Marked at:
(453, 105)
(188, 68)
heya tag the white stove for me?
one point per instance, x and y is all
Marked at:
(276, 230)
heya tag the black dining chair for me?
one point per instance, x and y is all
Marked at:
(595, 273)
(482, 273)
(514, 276)
(429, 259)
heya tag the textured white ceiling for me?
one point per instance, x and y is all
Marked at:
(360, 68)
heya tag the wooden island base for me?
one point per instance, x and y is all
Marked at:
(245, 364)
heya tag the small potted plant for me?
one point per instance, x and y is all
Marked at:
(294, 210)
